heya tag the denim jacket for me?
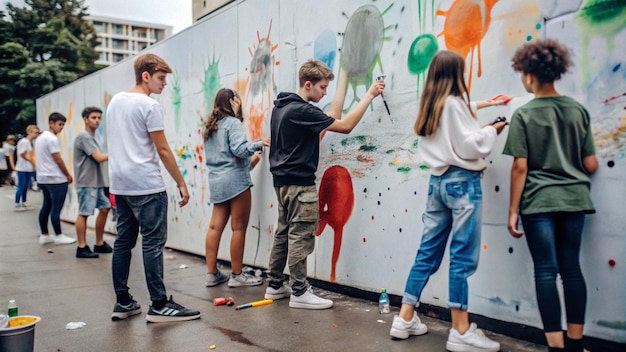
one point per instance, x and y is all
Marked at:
(227, 152)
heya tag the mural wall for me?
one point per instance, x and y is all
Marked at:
(372, 184)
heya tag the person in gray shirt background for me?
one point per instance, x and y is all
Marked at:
(91, 184)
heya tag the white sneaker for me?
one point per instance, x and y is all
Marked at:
(277, 293)
(19, 207)
(402, 329)
(474, 340)
(309, 300)
(26, 206)
(62, 239)
(46, 239)
(243, 279)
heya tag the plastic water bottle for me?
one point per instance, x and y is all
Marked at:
(12, 311)
(383, 302)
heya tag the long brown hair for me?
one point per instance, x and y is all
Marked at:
(221, 109)
(445, 78)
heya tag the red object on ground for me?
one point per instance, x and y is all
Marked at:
(220, 301)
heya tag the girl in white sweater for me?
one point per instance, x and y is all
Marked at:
(454, 146)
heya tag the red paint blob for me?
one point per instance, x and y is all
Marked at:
(336, 201)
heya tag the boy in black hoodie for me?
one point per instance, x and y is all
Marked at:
(296, 129)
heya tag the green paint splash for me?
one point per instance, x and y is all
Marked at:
(177, 99)
(353, 140)
(368, 148)
(211, 83)
(599, 18)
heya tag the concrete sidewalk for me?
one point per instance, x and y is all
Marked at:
(50, 282)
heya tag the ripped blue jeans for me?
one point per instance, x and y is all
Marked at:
(454, 208)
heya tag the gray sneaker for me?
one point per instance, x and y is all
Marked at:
(277, 293)
(121, 312)
(215, 279)
(243, 279)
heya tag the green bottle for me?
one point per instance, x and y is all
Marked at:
(12, 312)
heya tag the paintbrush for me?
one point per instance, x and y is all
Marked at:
(382, 78)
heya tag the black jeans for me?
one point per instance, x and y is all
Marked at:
(554, 243)
(53, 200)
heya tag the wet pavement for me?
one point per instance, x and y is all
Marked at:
(50, 282)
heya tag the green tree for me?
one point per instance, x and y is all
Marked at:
(43, 46)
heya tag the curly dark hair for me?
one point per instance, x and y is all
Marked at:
(546, 59)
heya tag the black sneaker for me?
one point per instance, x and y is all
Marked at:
(121, 312)
(85, 252)
(103, 248)
(171, 311)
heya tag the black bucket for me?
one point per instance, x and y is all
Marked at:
(19, 338)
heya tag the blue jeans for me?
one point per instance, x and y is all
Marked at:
(53, 200)
(148, 213)
(23, 184)
(554, 243)
(91, 198)
(454, 208)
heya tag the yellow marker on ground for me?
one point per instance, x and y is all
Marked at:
(255, 304)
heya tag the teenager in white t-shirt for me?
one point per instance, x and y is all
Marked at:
(25, 166)
(53, 178)
(137, 142)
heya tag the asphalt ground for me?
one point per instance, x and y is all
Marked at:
(50, 282)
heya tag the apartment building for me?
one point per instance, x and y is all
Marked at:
(120, 39)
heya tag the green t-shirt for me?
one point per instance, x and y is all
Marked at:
(554, 134)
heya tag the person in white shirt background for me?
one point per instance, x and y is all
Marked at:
(53, 178)
(25, 167)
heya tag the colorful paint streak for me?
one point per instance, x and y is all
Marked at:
(325, 48)
(336, 201)
(177, 99)
(424, 46)
(210, 84)
(599, 19)
(467, 22)
(261, 83)
(362, 42)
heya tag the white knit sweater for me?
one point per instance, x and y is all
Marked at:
(458, 141)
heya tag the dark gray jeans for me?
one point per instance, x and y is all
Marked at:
(147, 213)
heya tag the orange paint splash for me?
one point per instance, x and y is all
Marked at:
(467, 22)
(255, 122)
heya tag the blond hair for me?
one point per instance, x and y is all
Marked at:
(314, 71)
(31, 127)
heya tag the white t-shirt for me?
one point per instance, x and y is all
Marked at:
(48, 171)
(458, 141)
(134, 167)
(23, 146)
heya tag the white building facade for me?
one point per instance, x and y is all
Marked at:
(120, 39)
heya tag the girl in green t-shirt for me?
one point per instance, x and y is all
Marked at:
(551, 141)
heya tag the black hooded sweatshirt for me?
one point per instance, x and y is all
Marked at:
(295, 144)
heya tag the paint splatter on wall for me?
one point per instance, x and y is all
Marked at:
(372, 183)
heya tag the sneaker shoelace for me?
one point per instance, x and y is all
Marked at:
(174, 305)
